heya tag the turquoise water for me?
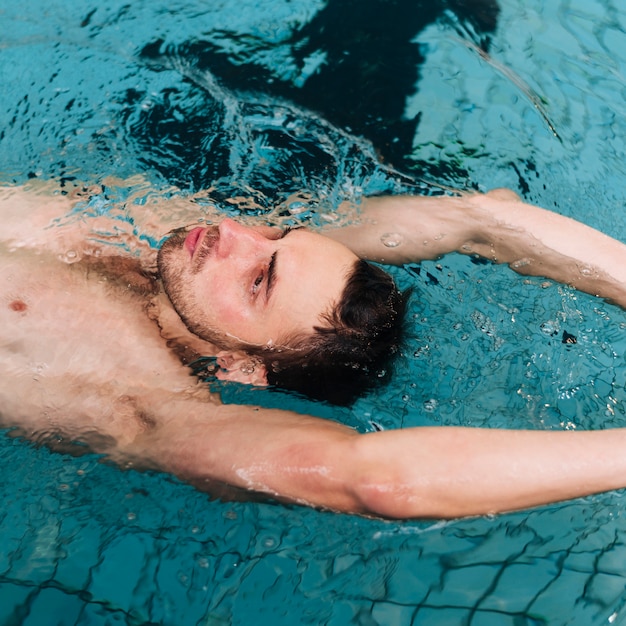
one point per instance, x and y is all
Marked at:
(233, 96)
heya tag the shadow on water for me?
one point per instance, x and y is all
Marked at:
(372, 63)
(354, 64)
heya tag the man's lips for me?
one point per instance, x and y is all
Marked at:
(194, 238)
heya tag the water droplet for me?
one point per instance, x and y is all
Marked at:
(296, 208)
(391, 240)
(585, 270)
(520, 263)
(430, 405)
(70, 256)
(549, 328)
(421, 351)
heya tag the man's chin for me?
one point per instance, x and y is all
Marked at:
(169, 248)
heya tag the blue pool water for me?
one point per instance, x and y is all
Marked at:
(267, 99)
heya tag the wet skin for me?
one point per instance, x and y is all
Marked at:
(86, 355)
(248, 281)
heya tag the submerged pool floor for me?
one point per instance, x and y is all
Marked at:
(272, 99)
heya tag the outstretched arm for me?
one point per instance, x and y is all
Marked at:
(412, 473)
(44, 215)
(497, 226)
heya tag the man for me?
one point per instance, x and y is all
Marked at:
(92, 350)
(303, 312)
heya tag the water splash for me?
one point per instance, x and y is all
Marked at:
(293, 164)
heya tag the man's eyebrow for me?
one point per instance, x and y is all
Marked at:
(271, 277)
(271, 270)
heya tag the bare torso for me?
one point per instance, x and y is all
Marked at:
(81, 355)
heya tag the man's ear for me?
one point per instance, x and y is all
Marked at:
(239, 367)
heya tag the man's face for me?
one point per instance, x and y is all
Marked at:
(235, 284)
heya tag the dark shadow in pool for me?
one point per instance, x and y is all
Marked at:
(372, 63)
(371, 66)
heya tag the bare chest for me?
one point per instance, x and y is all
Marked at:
(72, 347)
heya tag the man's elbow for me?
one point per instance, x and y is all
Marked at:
(380, 488)
(380, 494)
(396, 486)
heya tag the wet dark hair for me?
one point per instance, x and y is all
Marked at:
(352, 351)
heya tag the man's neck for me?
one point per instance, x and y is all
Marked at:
(187, 346)
(123, 272)
(130, 276)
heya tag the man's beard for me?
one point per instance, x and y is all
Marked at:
(172, 275)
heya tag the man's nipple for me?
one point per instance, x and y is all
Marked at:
(19, 306)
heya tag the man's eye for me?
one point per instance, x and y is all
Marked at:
(257, 282)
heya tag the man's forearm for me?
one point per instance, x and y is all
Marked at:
(497, 226)
(538, 242)
(454, 472)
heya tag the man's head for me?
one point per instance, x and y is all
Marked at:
(318, 319)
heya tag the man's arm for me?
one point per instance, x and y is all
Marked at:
(497, 226)
(42, 214)
(412, 473)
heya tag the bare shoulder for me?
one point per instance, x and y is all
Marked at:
(28, 210)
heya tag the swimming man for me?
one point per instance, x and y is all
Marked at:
(93, 350)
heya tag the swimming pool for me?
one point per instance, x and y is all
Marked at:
(194, 96)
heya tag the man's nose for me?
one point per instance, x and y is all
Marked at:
(235, 237)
